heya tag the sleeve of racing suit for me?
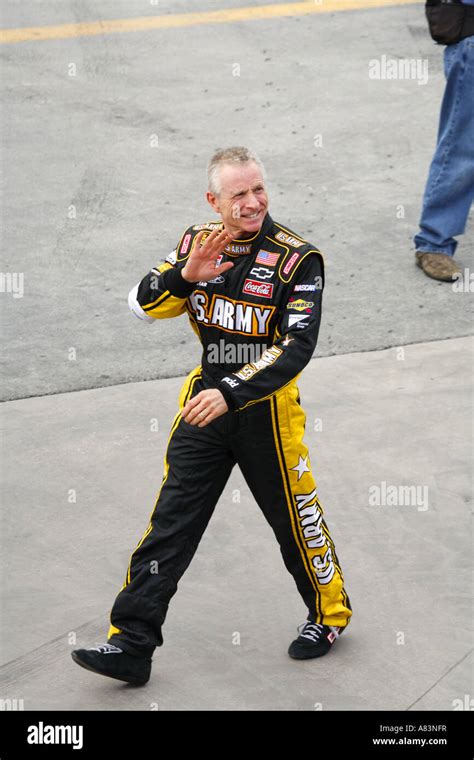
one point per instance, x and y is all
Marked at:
(162, 293)
(296, 333)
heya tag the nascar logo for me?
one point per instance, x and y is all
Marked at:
(304, 286)
(255, 288)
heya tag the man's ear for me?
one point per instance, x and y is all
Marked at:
(213, 200)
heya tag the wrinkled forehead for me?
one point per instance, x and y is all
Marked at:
(237, 178)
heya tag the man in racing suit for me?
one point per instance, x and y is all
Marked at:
(252, 290)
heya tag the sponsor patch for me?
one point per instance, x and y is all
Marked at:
(294, 242)
(229, 381)
(294, 318)
(265, 257)
(171, 259)
(290, 263)
(267, 358)
(232, 316)
(256, 288)
(185, 243)
(262, 273)
(299, 305)
(303, 287)
(217, 280)
(210, 226)
(238, 248)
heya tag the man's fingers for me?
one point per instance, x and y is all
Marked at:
(223, 267)
(199, 414)
(198, 238)
(217, 239)
(195, 409)
(191, 405)
(193, 401)
(210, 238)
(205, 407)
(192, 415)
(203, 421)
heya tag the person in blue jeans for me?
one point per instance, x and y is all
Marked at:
(449, 190)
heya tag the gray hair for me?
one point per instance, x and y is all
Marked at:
(235, 155)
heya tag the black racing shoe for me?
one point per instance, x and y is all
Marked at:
(109, 660)
(314, 640)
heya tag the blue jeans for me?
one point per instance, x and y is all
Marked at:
(449, 190)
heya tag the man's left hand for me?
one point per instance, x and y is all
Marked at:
(205, 407)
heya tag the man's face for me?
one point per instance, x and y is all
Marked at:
(242, 201)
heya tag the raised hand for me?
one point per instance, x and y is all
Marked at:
(201, 264)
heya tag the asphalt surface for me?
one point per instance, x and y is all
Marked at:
(80, 463)
(81, 145)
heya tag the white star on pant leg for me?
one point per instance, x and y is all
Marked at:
(302, 466)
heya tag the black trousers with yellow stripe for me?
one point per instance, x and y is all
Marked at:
(266, 441)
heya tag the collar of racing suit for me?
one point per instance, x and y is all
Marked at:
(245, 246)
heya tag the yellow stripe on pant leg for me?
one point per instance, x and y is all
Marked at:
(289, 501)
(184, 395)
(331, 601)
(338, 565)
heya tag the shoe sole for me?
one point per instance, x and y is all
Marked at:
(450, 278)
(132, 682)
(308, 656)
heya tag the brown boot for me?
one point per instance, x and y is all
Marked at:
(439, 266)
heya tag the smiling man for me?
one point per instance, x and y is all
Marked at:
(250, 287)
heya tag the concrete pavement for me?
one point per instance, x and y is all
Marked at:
(80, 475)
(105, 142)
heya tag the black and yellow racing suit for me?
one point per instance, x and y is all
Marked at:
(258, 324)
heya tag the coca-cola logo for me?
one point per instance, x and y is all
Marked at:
(256, 288)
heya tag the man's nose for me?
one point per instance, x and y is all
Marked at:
(251, 201)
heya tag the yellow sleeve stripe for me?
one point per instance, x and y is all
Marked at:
(159, 300)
